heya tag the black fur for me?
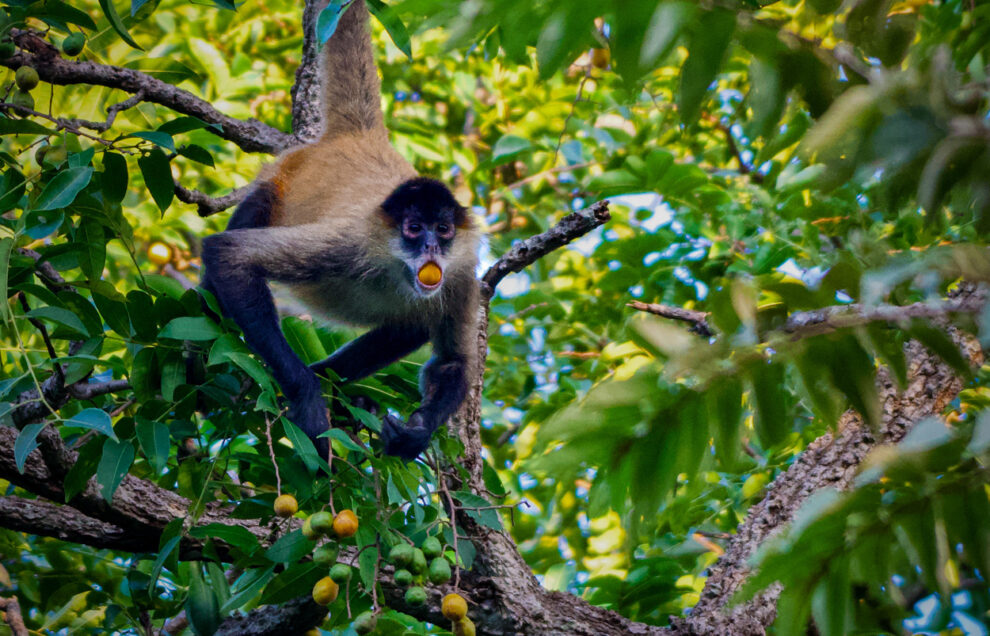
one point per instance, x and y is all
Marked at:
(430, 200)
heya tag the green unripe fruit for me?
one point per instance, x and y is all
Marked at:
(7, 49)
(403, 577)
(418, 563)
(340, 573)
(432, 547)
(56, 155)
(26, 78)
(401, 554)
(439, 571)
(415, 596)
(365, 623)
(307, 529)
(326, 555)
(22, 99)
(322, 522)
(74, 44)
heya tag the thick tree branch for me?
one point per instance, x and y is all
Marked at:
(68, 524)
(828, 319)
(250, 135)
(307, 96)
(831, 460)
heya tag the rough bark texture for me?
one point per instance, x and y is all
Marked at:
(307, 113)
(251, 135)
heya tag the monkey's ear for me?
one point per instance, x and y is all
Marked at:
(462, 219)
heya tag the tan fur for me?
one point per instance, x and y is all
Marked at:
(330, 192)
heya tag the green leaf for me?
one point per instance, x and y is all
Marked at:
(25, 443)
(326, 23)
(289, 548)
(237, 536)
(341, 438)
(61, 191)
(136, 5)
(247, 587)
(6, 248)
(154, 440)
(166, 69)
(173, 374)
(91, 238)
(163, 554)
(117, 24)
(156, 137)
(304, 447)
(767, 389)
(112, 306)
(65, 13)
(197, 153)
(10, 126)
(473, 507)
(116, 461)
(87, 460)
(296, 580)
(725, 412)
(202, 605)
(95, 420)
(191, 328)
(708, 46)
(60, 316)
(664, 29)
(939, 342)
(114, 183)
(158, 177)
(393, 25)
(12, 188)
(509, 147)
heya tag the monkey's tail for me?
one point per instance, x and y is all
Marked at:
(351, 88)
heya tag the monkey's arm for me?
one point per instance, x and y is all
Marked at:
(444, 385)
(238, 263)
(373, 351)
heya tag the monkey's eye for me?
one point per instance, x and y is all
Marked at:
(445, 230)
(413, 229)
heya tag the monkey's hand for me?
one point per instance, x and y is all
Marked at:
(406, 440)
(309, 413)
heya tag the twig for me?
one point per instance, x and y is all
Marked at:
(271, 453)
(527, 252)
(698, 319)
(730, 141)
(250, 135)
(112, 112)
(207, 205)
(61, 124)
(828, 319)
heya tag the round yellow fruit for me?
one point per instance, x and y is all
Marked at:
(159, 253)
(286, 506)
(325, 591)
(345, 524)
(463, 627)
(430, 274)
(453, 607)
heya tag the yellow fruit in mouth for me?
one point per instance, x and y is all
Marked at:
(430, 274)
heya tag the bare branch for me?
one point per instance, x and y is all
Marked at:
(15, 621)
(251, 135)
(68, 524)
(207, 205)
(828, 319)
(698, 319)
(532, 249)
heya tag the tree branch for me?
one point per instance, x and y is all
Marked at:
(698, 319)
(250, 135)
(68, 524)
(527, 252)
(207, 205)
(307, 95)
(828, 319)
(15, 621)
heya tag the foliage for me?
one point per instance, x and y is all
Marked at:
(761, 160)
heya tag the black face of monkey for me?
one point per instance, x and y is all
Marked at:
(426, 216)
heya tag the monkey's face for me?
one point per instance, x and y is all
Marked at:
(425, 216)
(425, 244)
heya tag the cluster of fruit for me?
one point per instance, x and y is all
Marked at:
(26, 77)
(412, 569)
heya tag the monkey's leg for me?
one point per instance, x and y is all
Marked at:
(444, 385)
(253, 212)
(239, 263)
(373, 351)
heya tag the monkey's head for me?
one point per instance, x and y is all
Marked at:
(426, 218)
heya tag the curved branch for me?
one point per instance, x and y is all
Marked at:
(207, 205)
(251, 135)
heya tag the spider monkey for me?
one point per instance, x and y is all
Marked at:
(361, 238)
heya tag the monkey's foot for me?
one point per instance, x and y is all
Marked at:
(403, 440)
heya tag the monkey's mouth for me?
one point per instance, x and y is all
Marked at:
(430, 276)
